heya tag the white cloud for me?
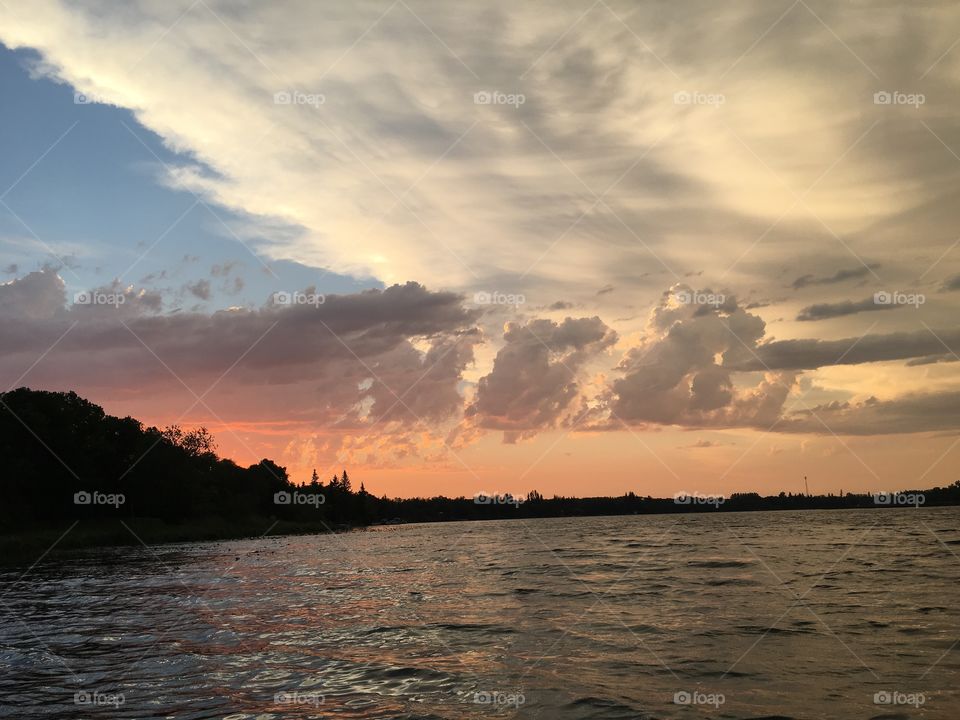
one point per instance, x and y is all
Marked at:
(399, 174)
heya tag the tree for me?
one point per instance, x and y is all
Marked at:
(345, 481)
(199, 442)
(196, 442)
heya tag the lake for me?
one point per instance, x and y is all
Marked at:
(817, 614)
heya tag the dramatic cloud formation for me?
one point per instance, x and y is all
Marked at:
(361, 355)
(424, 163)
(679, 375)
(392, 356)
(534, 378)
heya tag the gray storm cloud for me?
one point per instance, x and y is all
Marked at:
(685, 373)
(681, 376)
(350, 351)
(398, 356)
(534, 381)
(810, 354)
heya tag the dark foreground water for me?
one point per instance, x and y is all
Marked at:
(747, 615)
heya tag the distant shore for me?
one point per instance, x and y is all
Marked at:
(76, 477)
(29, 545)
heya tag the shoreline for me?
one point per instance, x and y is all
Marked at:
(37, 545)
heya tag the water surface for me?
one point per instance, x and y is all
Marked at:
(727, 615)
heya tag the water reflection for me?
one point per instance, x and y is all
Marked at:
(813, 615)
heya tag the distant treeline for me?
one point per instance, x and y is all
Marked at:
(65, 459)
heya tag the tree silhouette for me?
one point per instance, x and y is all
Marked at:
(66, 460)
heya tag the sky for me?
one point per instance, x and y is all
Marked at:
(579, 248)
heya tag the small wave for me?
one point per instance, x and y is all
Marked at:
(720, 582)
(764, 630)
(606, 709)
(719, 563)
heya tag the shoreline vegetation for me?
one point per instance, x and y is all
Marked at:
(79, 478)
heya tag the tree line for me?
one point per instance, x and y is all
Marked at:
(66, 459)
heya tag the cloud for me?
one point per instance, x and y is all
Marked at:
(701, 445)
(910, 413)
(36, 296)
(379, 376)
(534, 381)
(826, 311)
(932, 359)
(809, 354)
(371, 360)
(401, 174)
(679, 374)
(682, 373)
(838, 277)
(223, 270)
(951, 284)
(199, 289)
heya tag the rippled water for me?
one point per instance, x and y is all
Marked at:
(798, 615)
